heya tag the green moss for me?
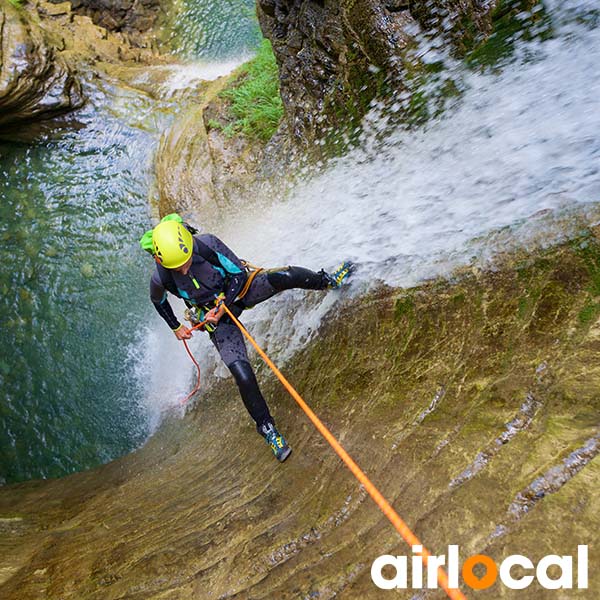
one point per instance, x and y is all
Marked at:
(255, 103)
(511, 19)
(523, 307)
(418, 108)
(429, 90)
(469, 34)
(589, 313)
(405, 307)
(458, 299)
(350, 100)
(589, 250)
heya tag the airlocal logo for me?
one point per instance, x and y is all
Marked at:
(505, 571)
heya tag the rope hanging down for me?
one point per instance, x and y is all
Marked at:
(401, 527)
(187, 348)
(186, 399)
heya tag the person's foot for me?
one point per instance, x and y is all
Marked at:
(276, 441)
(338, 276)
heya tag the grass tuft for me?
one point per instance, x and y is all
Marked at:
(255, 101)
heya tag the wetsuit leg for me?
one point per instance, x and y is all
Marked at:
(268, 283)
(297, 277)
(251, 395)
(229, 342)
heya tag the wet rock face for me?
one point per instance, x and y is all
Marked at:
(120, 15)
(35, 82)
(472, 404)
(335, 56)
(201, 171)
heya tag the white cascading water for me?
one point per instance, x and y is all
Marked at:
(518, 153)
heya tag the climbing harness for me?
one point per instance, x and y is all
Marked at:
(252, 271)
(401, 527)
(192, 316)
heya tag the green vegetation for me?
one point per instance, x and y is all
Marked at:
(404, 306)
(511, 19)
(589, 313)
(426, 85)
(349, 99)
(256, 106)
(17, 3)
(588, 249)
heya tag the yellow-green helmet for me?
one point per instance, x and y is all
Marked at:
(172, 244)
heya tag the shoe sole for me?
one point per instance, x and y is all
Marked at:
(285, 454)
(345, 274)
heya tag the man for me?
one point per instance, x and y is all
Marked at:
(206, 274)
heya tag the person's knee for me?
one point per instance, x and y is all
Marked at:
(250, 392)
(280, 280)
(243, 373)
(296, 277)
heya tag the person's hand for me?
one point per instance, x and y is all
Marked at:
(213, 315)
(183, 333)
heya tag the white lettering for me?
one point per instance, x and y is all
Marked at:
(582, 567)
(453, 566)
(400, 563)
(417, 568)
(507, 579)
(565, 581)
(433, 562)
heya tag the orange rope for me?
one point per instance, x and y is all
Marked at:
(400, 526)
(187, 398)
(187, 348)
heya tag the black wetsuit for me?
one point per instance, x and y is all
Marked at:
(215, 270)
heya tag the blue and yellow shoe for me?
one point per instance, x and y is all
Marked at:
(339, 275)
(276, 441)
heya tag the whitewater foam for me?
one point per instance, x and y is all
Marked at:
(516, 153)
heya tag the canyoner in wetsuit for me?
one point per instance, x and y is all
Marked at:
(205, 273)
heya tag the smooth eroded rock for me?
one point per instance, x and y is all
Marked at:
(35, 82)
(472, 405)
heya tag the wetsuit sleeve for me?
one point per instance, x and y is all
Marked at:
(158, 295)
(231, 264)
